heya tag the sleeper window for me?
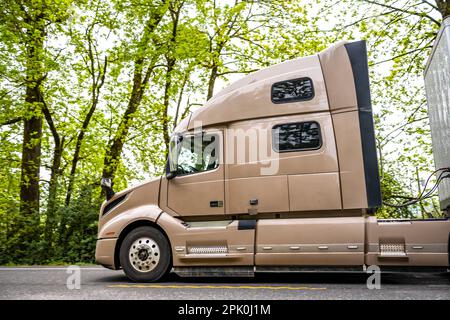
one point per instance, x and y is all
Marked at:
(296, 136)
(292, 90)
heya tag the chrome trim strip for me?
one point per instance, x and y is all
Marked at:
(310, 248)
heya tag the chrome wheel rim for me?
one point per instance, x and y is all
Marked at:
(144, 254)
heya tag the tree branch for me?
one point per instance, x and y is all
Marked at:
(402, 127)
(430, 4)
(11, 121)
(400, 55)
(50, 122)
(404, 11)
(236, 71)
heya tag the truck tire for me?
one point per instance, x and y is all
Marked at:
(145, 255)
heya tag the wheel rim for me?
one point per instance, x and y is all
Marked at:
(144, 254)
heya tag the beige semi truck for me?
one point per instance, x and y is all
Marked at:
(277, 172)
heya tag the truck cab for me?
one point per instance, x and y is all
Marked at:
(277, 172)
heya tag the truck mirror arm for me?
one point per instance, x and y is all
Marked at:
(171, 174)
(106, 184)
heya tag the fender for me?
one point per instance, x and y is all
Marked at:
(114, 227)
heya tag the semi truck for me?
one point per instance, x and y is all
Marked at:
(277, 172)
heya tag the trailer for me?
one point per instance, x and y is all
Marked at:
(276, 173)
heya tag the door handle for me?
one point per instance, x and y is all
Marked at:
(216, 204)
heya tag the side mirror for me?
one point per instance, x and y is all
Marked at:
(106, 184)
(170, 175)
(173, 152)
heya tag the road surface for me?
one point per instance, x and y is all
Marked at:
(99, 283)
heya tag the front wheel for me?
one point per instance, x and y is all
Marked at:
(145, 254)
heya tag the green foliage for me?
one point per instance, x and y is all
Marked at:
(399, 35)
(390, 188)
(78, 237)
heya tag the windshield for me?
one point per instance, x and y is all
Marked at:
(194, 153)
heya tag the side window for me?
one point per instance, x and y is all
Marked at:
(297, 136)
(198, 153)
(292, 90)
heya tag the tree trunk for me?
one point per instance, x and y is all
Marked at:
(171, 60)
(31, 156)
(112, 156)
(212, 81)
(32, 135)
(140, 80)
(180, 97)
(97, 83)
(50, 221)
(444, 7)
(75, 158)
(166, 102)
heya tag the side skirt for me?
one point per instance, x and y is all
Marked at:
(350, 269)
(251, 271)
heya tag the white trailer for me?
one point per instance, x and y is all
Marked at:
(437, 85)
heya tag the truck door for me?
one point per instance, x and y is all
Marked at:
(198, 187)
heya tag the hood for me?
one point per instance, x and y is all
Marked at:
(144, 193)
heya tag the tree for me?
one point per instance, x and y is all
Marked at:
(97, 70)
(171, 59)
(443, 6)
(144, 64)
(26, 24)
(400, 35)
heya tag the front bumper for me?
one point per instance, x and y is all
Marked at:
(104, 252)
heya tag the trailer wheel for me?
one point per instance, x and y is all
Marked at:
(145, 254)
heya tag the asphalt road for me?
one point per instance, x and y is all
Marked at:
(99, 283)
